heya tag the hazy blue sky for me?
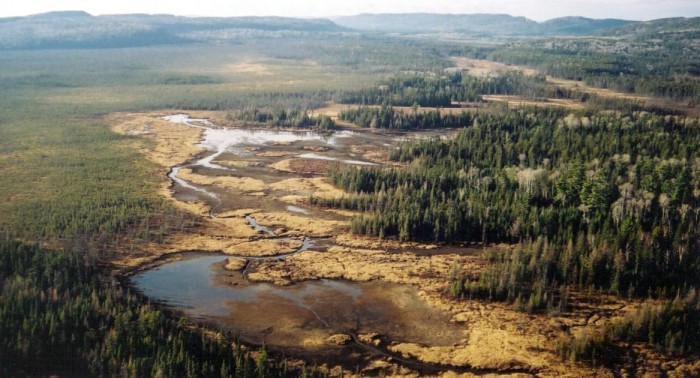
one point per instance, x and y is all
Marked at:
(535, 9)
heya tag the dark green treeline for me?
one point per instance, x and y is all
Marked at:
(449, 89)
(602, 199)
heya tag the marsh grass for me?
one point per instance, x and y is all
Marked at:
(64, 174)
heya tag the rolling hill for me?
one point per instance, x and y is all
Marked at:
(484, 24)
(76, 29)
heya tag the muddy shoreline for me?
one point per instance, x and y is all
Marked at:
(345, 353)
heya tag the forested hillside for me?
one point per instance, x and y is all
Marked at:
(657, 58)
(477, 24)
(65, 30)
(453, 89)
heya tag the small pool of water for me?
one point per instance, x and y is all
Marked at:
(189, 284)
(297, 209)
(296, 318)
(258, 227)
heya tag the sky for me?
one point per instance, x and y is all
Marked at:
(538, 10)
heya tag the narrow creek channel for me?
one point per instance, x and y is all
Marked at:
(218, 141)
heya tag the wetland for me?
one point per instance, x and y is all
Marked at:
(346, 203)
(253, 184)
(267, 265)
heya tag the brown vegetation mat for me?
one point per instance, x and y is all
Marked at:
(313, 186)
(244, 184)
(603, 92)
(304, 166)
(298, 225)
(516, 101)
(479, 67)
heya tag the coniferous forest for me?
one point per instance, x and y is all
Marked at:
(433, 90)
(601, 200)
(57, 316)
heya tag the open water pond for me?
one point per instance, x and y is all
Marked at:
(296, 319)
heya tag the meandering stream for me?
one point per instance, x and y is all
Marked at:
(218, 141)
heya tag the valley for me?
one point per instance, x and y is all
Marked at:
(269, 196)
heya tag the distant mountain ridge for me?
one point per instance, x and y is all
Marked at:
(654, 28)
(77, 29)
(487, 24)
(580, 25)
(431, 22)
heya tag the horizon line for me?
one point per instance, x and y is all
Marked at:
(332, 17)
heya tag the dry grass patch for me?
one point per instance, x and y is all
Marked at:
(231, 245)
(373, 153)
(264, 247)
(333, 110)
(483, 68)
(299, 225)
(238, 213)
(517, 101)
(478, 67)
(457, 108)
(303, 166)
(359, 241)
(248, 67)
(235, 263)
(427, 272)
(174, 143)
(244, 184)
(581, 86)
(275, 153)
(501, 338)
(314, 186)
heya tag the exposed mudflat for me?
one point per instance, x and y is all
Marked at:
(291, 276)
